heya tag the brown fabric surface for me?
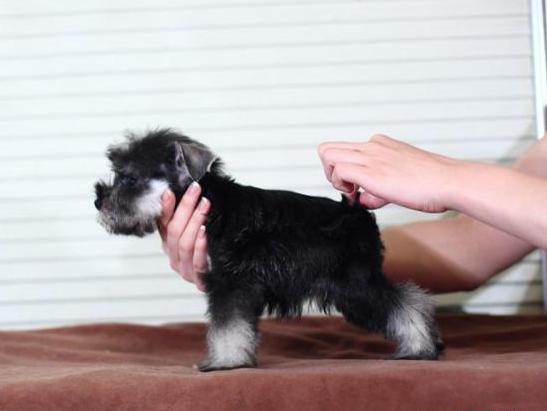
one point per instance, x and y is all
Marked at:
(491, 363)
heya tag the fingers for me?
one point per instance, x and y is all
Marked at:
(333, 156)
(337, 145)
(379, 139)
(178, 222)
(168, 208)
(201, 264)
(345, 177)
(385, 140)
(332, 153)
(183, 234)
(187, 241)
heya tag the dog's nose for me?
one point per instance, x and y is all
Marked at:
(98, 203)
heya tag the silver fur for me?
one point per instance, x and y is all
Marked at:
(410, 323)
(231, 345)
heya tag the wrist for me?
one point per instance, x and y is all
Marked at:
(460, 175)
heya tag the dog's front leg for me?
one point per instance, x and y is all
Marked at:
(232, 338)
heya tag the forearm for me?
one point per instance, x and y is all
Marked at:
(427, 253)
(449, 255)
(458, 253)
(502, 209)
(506, 199)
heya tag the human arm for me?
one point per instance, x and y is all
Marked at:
(391, 171)
(458, 253)
(454, 254)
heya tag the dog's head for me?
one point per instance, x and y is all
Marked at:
(144, 167)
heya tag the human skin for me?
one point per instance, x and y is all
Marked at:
(182, 231)
(458, 253)
(502, 214)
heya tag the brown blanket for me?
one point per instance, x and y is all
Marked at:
(491, 363)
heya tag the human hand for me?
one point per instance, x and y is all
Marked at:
(183, 234)
(390, 171)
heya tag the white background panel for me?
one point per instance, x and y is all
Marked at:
(263, 83)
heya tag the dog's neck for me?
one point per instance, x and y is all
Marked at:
(223, 193)
(218, 188)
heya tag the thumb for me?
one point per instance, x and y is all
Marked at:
(371, 201)
(168, 208)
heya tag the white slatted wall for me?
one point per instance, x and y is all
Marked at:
(262, 82)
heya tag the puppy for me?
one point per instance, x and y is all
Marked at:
(270, 250)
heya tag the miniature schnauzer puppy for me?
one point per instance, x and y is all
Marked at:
(269, 250)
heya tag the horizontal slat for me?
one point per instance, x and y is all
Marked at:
(232, 10)
(338, 112)
(451, 89)
(131, 319)
(528, 271)
(68, 311)
(283, 135)
(300, 99)
(372, 67)
(296, 93)
(153, 58)
(357, 68)
(507, 309)
(495, 294)
(182, 19)
(230, 52)
(107, 247)
(25, 271)
(330, 29)
(98, 290)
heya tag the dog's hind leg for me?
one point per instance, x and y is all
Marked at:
(412, 325)
(232, 337)
(403, 312)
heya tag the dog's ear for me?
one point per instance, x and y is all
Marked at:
(113, 154)
(117, 153)
(193, 159)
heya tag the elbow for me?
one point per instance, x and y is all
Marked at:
(470, 284)
(468, 281)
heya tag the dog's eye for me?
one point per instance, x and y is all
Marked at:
(127, 180)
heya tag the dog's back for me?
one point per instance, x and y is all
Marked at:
(292, 239)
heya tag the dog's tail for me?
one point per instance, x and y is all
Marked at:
(411, 324)
(351, 200)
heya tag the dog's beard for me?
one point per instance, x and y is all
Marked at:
(143, 215)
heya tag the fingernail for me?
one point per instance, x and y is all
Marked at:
(202, 231)
(194, 188)
(204, 204)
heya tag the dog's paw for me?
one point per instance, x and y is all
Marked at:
(207, 365)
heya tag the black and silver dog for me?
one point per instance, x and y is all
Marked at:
(270, 251)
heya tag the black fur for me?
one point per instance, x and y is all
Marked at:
(272, 251)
